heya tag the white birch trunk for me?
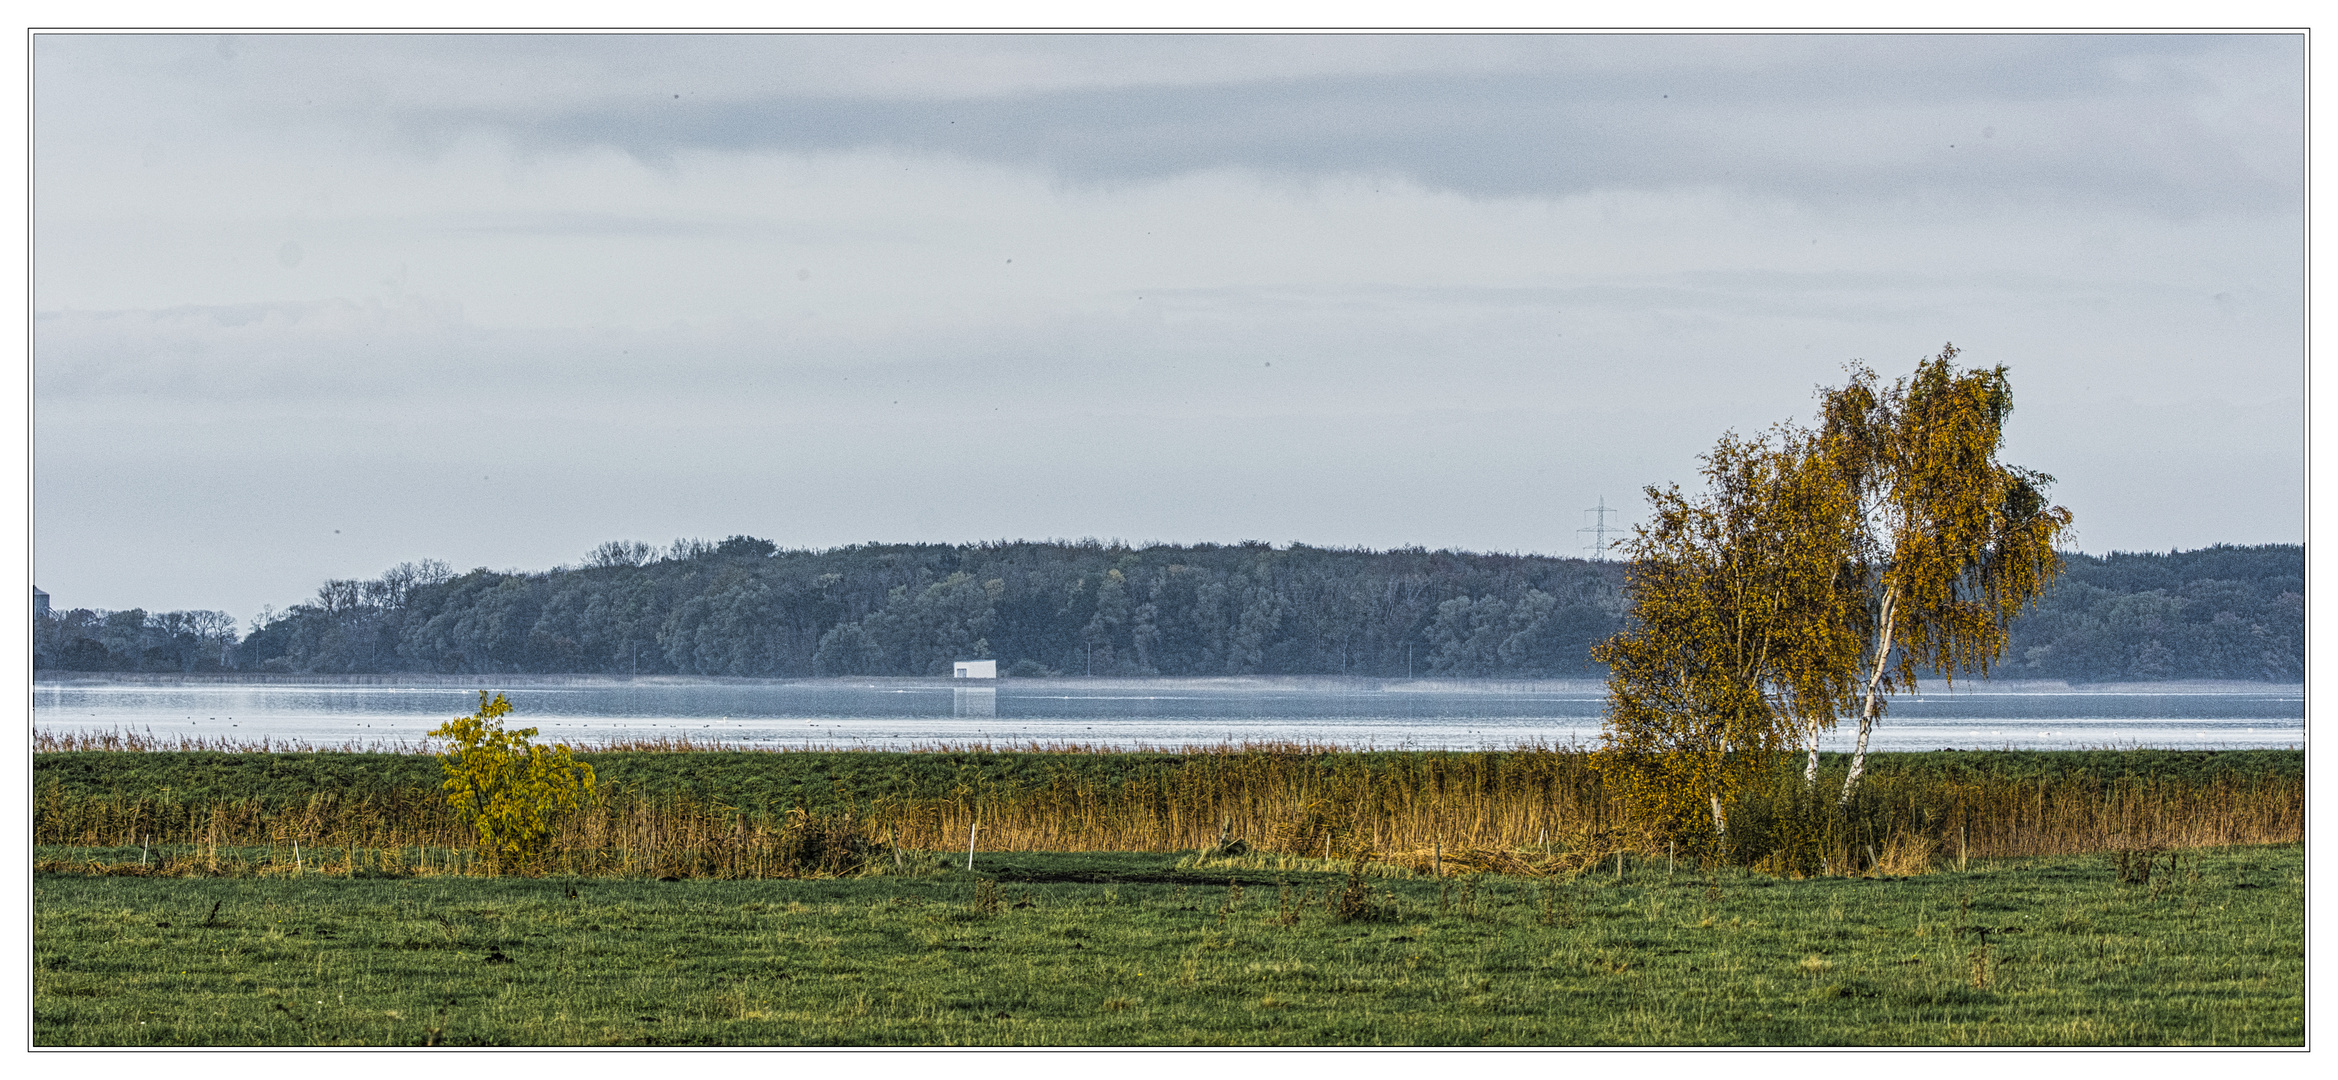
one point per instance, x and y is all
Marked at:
(1810, 769)
(1867, 710)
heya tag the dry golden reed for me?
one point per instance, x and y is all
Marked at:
(1529, 810)
(147, 742)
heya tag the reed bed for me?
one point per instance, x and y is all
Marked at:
(415, 834)
(1527, 811)
(125, 741)
(1912, 823)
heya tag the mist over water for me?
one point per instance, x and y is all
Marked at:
(1350, 713)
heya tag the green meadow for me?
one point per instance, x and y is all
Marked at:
(2202, 947)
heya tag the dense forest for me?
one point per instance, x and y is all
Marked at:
(742, 607)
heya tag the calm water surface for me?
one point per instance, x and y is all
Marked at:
(1389, 714)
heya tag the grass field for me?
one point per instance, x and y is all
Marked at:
(1111, 949)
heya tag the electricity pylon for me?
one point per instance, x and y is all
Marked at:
(1599, 531)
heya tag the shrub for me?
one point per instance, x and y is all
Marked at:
(506, 785)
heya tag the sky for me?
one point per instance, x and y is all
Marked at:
(308, 306)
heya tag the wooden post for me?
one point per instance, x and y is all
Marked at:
(971, 827)
(1437, 856)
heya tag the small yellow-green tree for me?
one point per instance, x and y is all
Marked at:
(507, 786)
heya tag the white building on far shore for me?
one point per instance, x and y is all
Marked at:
(975, 669)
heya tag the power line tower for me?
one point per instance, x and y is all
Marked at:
(1599, 531)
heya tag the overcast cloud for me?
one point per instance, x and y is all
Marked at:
(307, 306)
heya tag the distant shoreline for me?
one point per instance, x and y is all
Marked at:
(1246, 683)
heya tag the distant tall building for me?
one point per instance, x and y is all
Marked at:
(40, 602)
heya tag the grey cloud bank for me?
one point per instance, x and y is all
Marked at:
(494, 299)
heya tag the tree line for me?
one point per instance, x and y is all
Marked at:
(743, 607)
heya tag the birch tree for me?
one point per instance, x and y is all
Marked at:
(1740, 634)
(1948, 544)
(1816, 575)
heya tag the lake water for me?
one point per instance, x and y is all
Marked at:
(902, 713)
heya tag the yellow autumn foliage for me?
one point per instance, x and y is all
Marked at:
(506, 785)
(1822, 570)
